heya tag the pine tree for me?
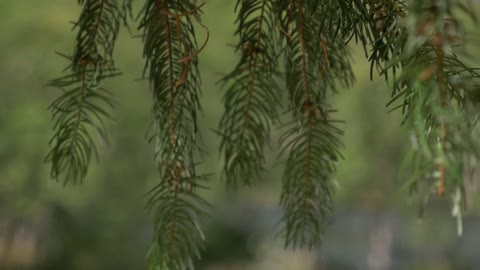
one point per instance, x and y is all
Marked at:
(292, 52)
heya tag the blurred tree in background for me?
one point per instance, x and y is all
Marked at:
(420, 47)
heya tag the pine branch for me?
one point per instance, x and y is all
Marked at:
(434, 91)
(378, 25)
(252, 97)
(171, 52)
(316, 63)
(126, 12)
(416, 47)
(442, 87)
(84, 106)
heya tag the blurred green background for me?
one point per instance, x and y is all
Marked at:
(102, 223)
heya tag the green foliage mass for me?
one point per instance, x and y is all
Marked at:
(299, 47)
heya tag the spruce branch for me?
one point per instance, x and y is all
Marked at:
(378, 25)
(84, 105)
(434, 91)
(171, 50)
(252, 98)
(415, 44)
(420, 40)
(315, 63)
(127, 12)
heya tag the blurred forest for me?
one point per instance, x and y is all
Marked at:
(102, 223)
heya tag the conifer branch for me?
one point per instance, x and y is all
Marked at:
(252, 96)
(442, 87)
(170, 49)
(316, 62)
(384, 33)
(85, 104)
(126, 12)
(436, 88)
(415, 45)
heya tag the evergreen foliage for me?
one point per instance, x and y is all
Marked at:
(85, 104)
(315, 63)
(252, 98)
(417, 46)
(170, 50)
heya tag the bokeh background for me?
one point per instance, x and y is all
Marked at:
(102, 224)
